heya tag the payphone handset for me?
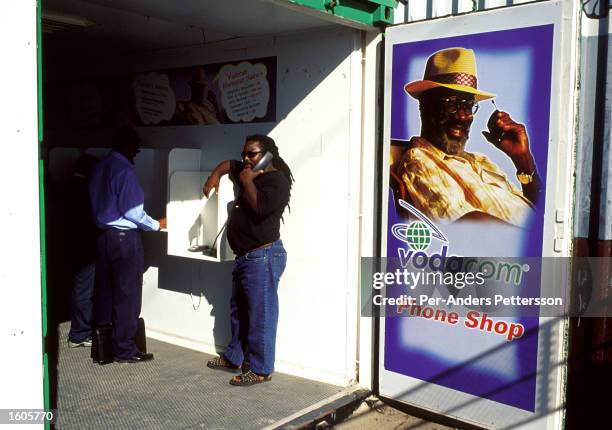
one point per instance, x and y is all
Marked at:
(264, 162)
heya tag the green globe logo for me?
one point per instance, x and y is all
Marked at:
(418, 235)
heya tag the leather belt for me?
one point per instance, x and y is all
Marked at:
(264, 246)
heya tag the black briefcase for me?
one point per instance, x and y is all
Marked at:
(102, 345)
(141, 336)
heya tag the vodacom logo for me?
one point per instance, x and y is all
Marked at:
(419, 233)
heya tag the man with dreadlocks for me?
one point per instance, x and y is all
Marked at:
(253, 232)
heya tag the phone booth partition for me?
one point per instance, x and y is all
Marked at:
(196, 223)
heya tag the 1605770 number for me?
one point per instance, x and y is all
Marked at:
(28, 416)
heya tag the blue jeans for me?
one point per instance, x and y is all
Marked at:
(81, 303)
(254, 308)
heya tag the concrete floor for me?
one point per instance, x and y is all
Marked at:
(174, 391)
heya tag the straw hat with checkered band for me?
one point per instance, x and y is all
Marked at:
(453, 68)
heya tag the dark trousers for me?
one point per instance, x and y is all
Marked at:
(118, 291)
(81, 303)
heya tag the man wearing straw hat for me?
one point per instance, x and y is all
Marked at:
(436, 174)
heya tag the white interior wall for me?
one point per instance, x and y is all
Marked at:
(318, 133)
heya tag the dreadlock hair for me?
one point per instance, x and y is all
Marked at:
(269, 145)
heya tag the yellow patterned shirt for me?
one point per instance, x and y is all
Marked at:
(446, 187)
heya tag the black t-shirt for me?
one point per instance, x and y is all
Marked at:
(247, 228)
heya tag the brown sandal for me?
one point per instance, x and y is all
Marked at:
(249, 378)
(221, 363)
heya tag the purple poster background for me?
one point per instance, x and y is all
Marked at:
(515, 65)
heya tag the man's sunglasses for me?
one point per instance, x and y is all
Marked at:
(249, 154)
(453, 104)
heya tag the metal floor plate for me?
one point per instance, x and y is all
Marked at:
(174, 391)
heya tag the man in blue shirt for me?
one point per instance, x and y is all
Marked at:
(117, 202)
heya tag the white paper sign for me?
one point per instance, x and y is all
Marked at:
(244, 91)
(154, 98)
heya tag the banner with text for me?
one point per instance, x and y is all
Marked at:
(469, 137)
(222, 93)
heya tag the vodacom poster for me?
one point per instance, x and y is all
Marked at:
(469, 137)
